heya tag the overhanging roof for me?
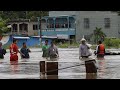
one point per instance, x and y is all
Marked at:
(21, 37)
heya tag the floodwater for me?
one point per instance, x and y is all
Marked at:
(108, 68)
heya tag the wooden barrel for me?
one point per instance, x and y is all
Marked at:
(52, 77)
(91, 75)
(90, 66)
(42, 67)
(51, 68)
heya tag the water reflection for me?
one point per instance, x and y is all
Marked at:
(14, 66)
(1, 62)
(48, 76)
(52, 76)
(101, 65)
(29, 68)
(91, 75)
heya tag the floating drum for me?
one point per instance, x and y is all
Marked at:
(52, 68)
(91, 75)
(42, 67)
(90, 66)
(52, 76)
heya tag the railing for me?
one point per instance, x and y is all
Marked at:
(23, 32)
(57, 29)
(20, 32)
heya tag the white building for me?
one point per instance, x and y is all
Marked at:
(87, 21)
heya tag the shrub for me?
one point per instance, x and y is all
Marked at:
(110, 42)
(67, 44)
(93, 47)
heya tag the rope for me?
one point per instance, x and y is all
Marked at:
(62, 68)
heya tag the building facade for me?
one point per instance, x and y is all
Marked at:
(23, 27)
(70, 24)
(87, 21)
(62, 27)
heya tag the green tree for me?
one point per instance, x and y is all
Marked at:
(98, 34)
(3, 27)
(34, 14)
(22, 14)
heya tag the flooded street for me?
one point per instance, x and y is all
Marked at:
(109, 68)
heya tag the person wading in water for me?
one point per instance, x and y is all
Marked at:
(53, 51)
(25, 51)
(90, 64)
(100, 50)
(45, 49)
(14, 51)
(2, 51)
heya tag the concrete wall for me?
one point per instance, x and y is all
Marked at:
(119, 26)
(35, 32)
(30, 29)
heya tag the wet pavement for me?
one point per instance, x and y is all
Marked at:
(108, 68)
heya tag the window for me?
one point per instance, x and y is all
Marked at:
(14, 27)
(107, 22)
(61, 23)
(26, 27)
(35, 27)
(72, 22)
(21, 26)
(50, 23)
(86, 23)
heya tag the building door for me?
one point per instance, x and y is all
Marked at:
(72, 39)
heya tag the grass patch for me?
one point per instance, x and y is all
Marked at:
(112, 43)
(66, 45)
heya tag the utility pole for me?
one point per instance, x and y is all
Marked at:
(40, 30)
